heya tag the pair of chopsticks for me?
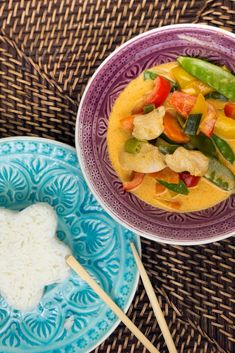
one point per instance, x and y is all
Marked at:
(80, 270)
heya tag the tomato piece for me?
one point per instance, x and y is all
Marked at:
(160, 92)
(135, 181)
(208, 121)
(166, 174)
(229, 110)
(128, 122)
(182, 102)
(189, 180)
(173, 130)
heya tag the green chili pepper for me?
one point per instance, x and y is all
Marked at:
(224, 148)
(216, 95)
(132, 145)
(220, 175)
(149, 75)
(192, 124)
(164, 147)
(179, 188)
(148, 108)
(221, 80)
(203, 144)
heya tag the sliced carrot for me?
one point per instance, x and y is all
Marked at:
(167, 175)
(127, 123)
(173, 130)
(159, 188)
(135, 181)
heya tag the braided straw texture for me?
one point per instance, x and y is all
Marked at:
(48, 51)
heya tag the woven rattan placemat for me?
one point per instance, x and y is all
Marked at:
(48, 51)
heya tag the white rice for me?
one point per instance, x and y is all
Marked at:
(31, 256)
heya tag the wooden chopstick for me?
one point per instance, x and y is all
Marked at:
(80, 270)
(154, 302)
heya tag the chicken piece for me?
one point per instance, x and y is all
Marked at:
(148, 160)
(149, 126)
(183, 160)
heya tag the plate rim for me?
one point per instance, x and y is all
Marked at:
(138, 239)
(155, 238)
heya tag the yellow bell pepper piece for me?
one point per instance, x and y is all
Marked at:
(196, 87)
(225, 127)
(188, 83)
(200, 107)
(182, 77)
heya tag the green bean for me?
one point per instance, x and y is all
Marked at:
(179, 188)
(133, 145)
(224, 148)
(221, 80)
(220, 175)
(148, 108)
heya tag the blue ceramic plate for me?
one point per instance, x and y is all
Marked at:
(70, 317)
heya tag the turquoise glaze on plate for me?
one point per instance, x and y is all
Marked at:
(70, 317)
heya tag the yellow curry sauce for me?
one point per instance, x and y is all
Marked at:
(202, 196)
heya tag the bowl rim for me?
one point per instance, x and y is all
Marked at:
(155, 238)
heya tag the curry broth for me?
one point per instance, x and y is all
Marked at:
(204, 195)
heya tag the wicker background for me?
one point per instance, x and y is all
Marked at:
(48, 51)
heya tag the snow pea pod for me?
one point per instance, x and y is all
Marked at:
(221, 80)
(220, 175)
(224, 148)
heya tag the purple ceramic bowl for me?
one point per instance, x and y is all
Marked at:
(126, 63)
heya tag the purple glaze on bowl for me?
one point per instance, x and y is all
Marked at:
(149, 49)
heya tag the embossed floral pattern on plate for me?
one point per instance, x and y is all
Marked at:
(70, 317)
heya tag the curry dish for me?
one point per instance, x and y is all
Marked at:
(171, 135)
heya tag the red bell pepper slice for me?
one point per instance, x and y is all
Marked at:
(229, 110)
(136, 180)
(182, 102)
(160, 92)
(189, 180)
